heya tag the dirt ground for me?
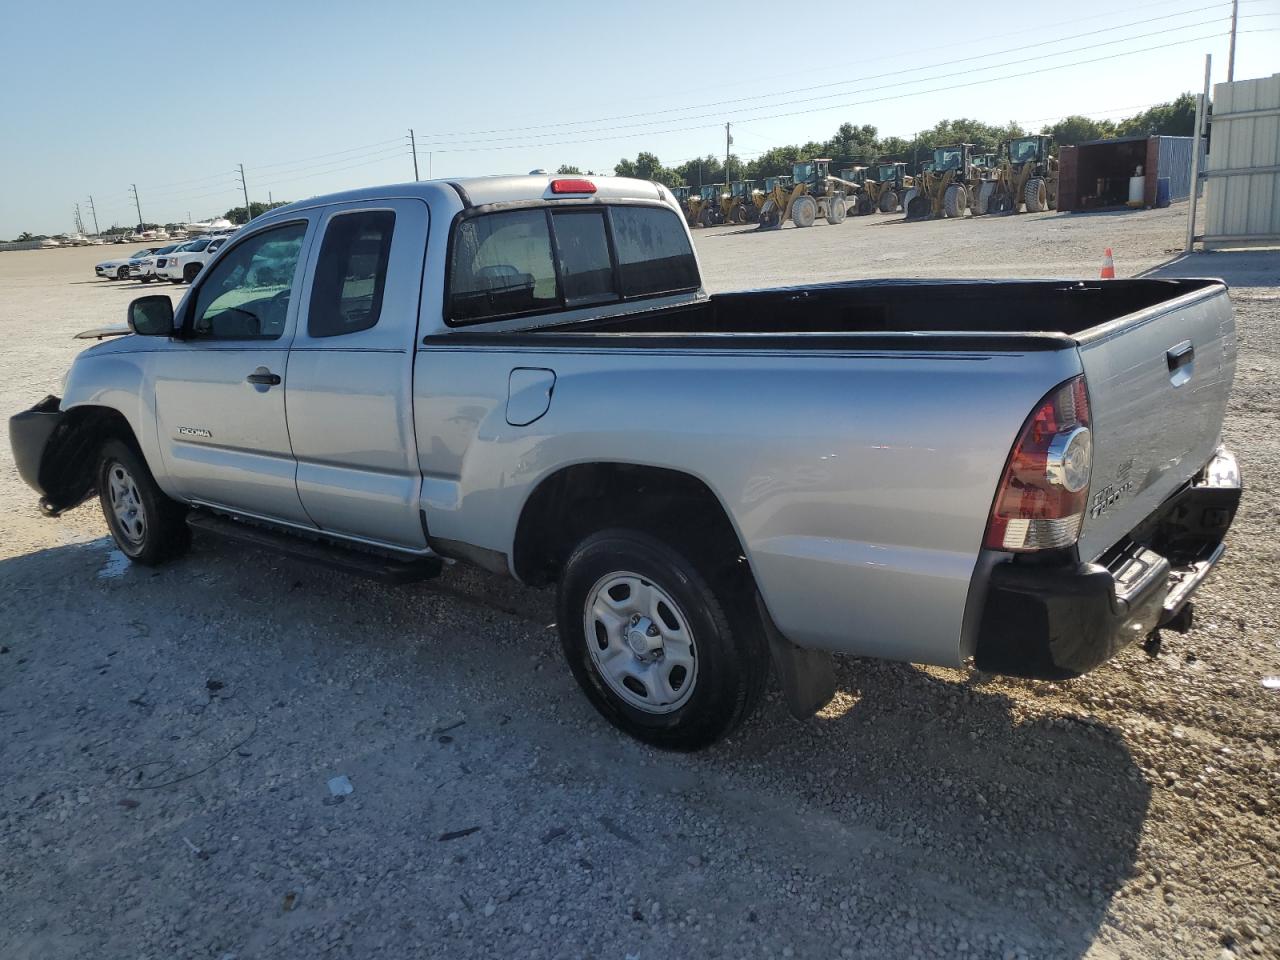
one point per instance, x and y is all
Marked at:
(167, 736)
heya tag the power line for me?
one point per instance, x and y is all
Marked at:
(836, 83)
(720, 114)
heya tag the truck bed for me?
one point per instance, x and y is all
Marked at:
(1067, 308)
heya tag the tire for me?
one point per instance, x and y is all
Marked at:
(863, 205)
(982, 199)
(835, 209)
(146, 525)
(172, 280)
(682, 675)
(122, 273)
(740, 214)
(769, 218)
(888, 201)
(804, 211)
(1035, 195)
(144, 279)
(189, 272)
(955, 201)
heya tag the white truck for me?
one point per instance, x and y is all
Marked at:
(526, 373)
(185, 263)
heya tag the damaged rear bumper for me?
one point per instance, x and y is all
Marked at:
(1053, 621)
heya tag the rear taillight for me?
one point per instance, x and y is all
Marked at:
(1041, 499)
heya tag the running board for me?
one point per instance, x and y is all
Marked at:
(371, 566)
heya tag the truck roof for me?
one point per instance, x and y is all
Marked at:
(478, 191)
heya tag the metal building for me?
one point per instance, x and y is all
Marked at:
(1095, 175)
(1242, 194)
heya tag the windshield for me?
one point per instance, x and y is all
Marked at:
(947, 158)
(1021, 151)
(803, 172)
(888, 171)
(144, 252)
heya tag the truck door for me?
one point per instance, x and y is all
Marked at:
(220, 389)
(350, 393)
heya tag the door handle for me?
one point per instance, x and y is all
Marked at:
(263, 376)
(1179, 355)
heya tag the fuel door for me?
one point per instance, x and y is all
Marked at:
(529, 392)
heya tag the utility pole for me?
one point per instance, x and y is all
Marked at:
(248, 211)
(94, 211)
(1202, 109)
(1231, 52)
(137, 206)
(728, 142)
(413, 145)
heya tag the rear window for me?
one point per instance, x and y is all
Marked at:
(519, 262)
(654, 255)
(351, 273)
(502, 266)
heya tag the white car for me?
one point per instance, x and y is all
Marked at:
(144, 268)
(118, 268)
(183, 264)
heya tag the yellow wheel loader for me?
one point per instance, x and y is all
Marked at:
(946, 186)
(743, 202)
(814, 193)
(1027, 175)
(704, 207)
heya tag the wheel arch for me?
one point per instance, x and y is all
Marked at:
(67, 464)
(575, 500)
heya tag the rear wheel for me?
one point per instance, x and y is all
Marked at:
(888, 201)
(146, 525)
(740, 214)
(804, 211)
(658, 651)
(955, 201)
(1035, 195)
(835, 209)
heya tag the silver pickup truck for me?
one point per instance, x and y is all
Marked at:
(526, 373)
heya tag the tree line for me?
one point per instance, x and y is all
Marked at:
(863, 144)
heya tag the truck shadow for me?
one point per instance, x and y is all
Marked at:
(912, 788)
(1238, 268)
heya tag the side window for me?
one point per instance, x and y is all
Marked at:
(654, 254)
(501, 265)
(246, 294)
(582, 244)
(351, 273)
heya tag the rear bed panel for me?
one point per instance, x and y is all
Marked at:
(1154, 426)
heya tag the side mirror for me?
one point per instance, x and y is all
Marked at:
(151, 316)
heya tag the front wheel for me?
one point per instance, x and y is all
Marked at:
(146, 525)
(189, 272)
(659, 653)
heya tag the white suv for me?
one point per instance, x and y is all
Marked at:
(183, 264)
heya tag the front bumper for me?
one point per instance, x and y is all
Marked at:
(54, 453)
(1053, 621)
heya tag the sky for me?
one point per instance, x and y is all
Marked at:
(314, 97)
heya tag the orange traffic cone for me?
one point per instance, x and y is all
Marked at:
(1108, 266)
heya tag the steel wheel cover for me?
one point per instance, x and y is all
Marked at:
(640, 642)
(126, 503)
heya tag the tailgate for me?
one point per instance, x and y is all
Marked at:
(1158, 383)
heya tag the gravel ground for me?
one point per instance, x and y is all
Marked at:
(168, 735)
